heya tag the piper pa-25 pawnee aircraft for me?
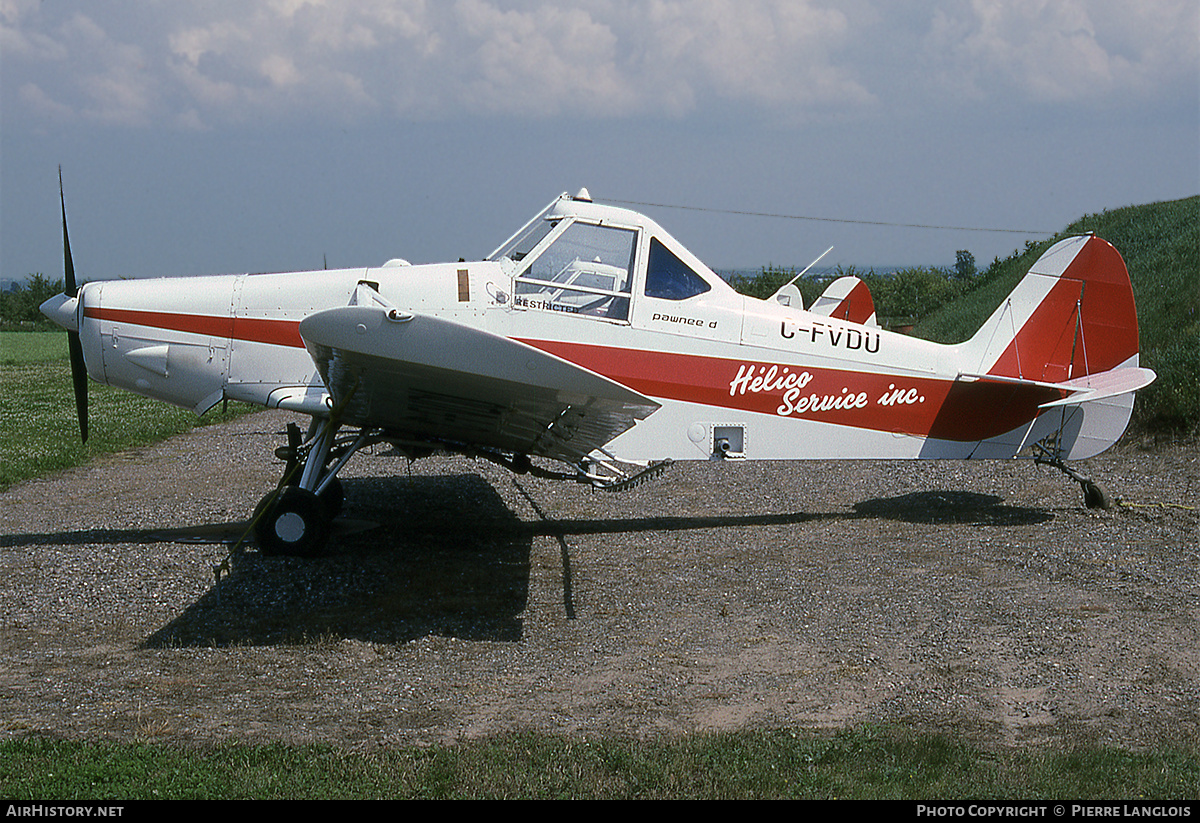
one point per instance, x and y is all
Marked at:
(593, 339)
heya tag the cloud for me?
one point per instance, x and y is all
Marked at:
(1065, 51)
(228, 61)
(76, 69)
(773, 54)
(412, 58)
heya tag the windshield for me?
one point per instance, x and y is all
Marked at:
(586, 270)
(525, 241)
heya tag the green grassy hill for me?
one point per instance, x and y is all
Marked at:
(1161, 246)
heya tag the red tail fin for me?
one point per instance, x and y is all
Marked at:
(847, 298)
(1072, 315)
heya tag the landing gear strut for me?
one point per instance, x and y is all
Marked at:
(1094, 495)
(295, 519)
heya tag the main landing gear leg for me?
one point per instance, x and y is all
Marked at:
(295, 519)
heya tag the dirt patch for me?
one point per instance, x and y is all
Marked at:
(460, 601)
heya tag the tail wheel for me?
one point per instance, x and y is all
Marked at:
(296, 524)
(1094, 496)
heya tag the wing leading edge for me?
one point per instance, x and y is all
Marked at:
(430, 379)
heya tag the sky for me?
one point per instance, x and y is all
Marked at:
(223, 136)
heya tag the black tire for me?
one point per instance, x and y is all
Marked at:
(332, 498)
(296, 524)
(1094, 497)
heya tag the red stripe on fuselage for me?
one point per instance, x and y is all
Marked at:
(252, 329)
(925, 407)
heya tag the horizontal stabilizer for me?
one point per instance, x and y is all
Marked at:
(1111, 383)
(1099, 386)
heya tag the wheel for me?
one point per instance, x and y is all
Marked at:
(296, 524)
(1094, 497)
(332, 498)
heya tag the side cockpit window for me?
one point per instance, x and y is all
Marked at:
(586, 271)
(669, 278)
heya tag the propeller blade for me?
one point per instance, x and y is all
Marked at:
(79, 375)
(72, 289)
(79, 378)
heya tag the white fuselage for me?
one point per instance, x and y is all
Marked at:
(736, 377)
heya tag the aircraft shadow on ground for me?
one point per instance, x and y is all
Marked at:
(931, 508)
(445, 556)
(951, 507)
(412, 557)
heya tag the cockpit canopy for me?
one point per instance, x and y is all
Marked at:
(582, 258)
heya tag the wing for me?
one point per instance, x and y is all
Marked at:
(427, 378)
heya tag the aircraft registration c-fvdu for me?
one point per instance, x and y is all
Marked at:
(593, 338)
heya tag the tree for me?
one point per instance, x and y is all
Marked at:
(20, 305)
(964, 265)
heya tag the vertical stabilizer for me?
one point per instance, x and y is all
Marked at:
(847, 298)
(1072, 315)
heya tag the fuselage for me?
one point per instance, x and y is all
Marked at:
(608, 290)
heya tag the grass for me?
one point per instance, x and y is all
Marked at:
(867, 762)
(39, 431)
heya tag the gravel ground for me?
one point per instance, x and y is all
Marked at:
(459, 600)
